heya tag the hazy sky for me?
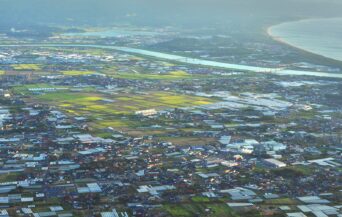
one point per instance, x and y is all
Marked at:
(161, 12)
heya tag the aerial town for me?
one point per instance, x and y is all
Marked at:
(94, 132)
(97, 123)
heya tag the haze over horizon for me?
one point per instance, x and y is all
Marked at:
(160, 13)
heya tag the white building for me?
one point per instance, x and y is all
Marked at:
(274, 163)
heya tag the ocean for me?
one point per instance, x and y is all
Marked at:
(319, 36)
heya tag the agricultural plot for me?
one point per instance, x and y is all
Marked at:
(26, 67)
(200, 209)
(187, 140)
(111, 110)
(150, 76)
(77, 73)
(122, 103)
(138, 75)
(27, 89)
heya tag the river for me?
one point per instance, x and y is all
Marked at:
(193, 61)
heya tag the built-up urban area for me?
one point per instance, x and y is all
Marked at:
(91, 131)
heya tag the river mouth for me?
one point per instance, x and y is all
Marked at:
(319, 36)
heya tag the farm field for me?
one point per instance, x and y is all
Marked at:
(195, 209)
(187, 140)
(116, 109)
(77, 73)
(172, 75)
(29, 67)
(120, 103)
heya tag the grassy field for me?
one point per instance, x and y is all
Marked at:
(281, 201)
(2, 72)
(293, 171)
(27, 67)
(188, 140)
(9, 177)
(77, 73)
(199, 199)
(141, 76)
(172, 75)
(200, 209)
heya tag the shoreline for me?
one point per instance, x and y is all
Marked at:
(284, 42)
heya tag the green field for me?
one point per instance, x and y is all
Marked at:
(77, 73)
(293, 171)
(140, 76)
(172, 75)
(26, 67)
(111, 110)
(281, 201)
(9, 177)
(200, 209)
(123, 103)
(186, 140)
